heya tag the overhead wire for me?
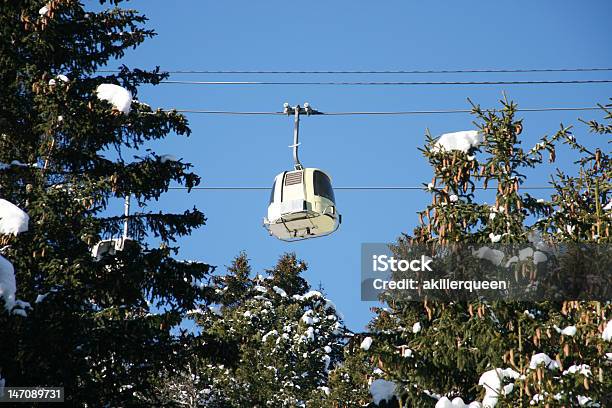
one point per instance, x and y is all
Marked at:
(386, 83)
(353, 188)
(375, 83)
(382, 72)
(365, 188)
(408, 112)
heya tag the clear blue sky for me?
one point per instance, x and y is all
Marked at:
(377, 151)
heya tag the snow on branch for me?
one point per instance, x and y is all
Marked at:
(463, 141)
(116, 95)
(12, 219)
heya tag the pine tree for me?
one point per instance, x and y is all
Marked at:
(505, 354)
(98, 326)
(283, 339)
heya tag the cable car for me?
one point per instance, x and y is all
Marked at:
(110, 247)
(302, 203)
(114, 245)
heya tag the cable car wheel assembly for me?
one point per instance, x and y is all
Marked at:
(302, 203)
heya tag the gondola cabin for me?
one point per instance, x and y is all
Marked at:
(302, 205)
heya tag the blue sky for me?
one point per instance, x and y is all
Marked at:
(356, 151)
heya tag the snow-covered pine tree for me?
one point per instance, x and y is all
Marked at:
(350, 383)
(282, 339)
(503, 354)
(98, 326)
(583, 202)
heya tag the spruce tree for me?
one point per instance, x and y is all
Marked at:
(500, 353)
(98, 326)
(282, 339)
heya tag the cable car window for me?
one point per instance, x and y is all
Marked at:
(322, 185)
(272, 192)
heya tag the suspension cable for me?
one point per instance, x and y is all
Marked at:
(412, 112)
(397, 83)
(381, 72)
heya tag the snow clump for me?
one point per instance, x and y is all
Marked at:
(116, 95)
(463, 141)
(366, 343)
(12, 219)
(492, 382)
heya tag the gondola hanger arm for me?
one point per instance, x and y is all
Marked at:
(296, 111)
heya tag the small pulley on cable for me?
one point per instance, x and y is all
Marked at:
(302, 203)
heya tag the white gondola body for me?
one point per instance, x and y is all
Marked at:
(302, 205)
(110, 247)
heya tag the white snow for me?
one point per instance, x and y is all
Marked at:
(308, 295)
(327, 361)
(4, 166)
(40, 298)
(12, 219)
(117, 95)
(543, 359)
(382, 390)
(512, 260)
(22, 304)
(312, 293)
(462, 141)
(583, 369)
(268, 334)
(539, 257)
(568, 331)
(7, 283)
(444, 403)
(279, 291)
(608, 206)
(528, 313)
(43, 10)
(607, 333)
(406, 352)
(416, 327)
(525, 253)
(586, 401)
(492, 381)
(167, 158)
(196, 311)
(366, 343)
(454, 198)
(307, 318)
(457, 402)
(61, 77)
(261, 289)
(494, 238)
(494, 256)
(309, 335)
